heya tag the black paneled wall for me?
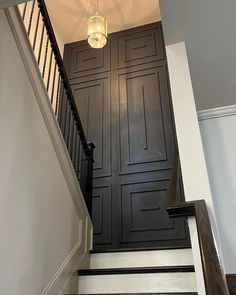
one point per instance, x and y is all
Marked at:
(123, 98)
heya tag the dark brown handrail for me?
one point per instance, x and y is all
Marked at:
(214, 279)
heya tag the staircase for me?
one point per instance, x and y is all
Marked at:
(139, 272)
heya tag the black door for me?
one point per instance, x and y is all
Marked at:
(123, 98)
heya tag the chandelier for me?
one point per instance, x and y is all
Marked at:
(97, 30)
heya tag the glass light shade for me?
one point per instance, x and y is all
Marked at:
(97, 31)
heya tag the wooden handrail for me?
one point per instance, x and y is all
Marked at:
(214, 278)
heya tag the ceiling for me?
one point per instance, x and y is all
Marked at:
(69, 17)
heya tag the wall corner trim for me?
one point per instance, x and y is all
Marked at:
(217, 112)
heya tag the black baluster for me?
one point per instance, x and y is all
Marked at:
(77, 153)
(74, 144)
(68, 127)
(57, 98)
(49, 70)
(45, 58)
(88, 194)
(86, 176)
(71, 142)
(36, 30)
(80, 158)
(82, 172)
(62, 105)
(41, 44)
(24, 11)
(65, 113)
(31, 17)
(53, 86)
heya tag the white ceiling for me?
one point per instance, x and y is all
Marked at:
(70, 17)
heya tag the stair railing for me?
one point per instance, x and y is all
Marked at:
(44, 44)
(214, 279)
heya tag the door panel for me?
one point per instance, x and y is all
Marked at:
(123, 98)
(146, 137)
(81, 60)
(135, 46)
(102, 215)
(144, 214)
(93, 103)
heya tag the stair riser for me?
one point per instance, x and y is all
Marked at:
(142, 259)
(138, 283)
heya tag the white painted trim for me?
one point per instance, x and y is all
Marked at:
(43, 101)
(217, 112)
(65, 271)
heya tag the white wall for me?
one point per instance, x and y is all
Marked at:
(41, 229)
(208, 29)
(219, 141)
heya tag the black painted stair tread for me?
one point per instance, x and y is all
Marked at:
(136, 270)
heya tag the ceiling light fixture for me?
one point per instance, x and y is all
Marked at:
(97, 30)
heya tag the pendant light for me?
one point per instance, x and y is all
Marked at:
(97, 30)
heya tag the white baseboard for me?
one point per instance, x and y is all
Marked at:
(217, 112)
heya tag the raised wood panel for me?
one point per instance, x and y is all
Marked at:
(102, 214)
(145, 217)
(138, 46)
(84, 60)
(93, 103)
(146, 138)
